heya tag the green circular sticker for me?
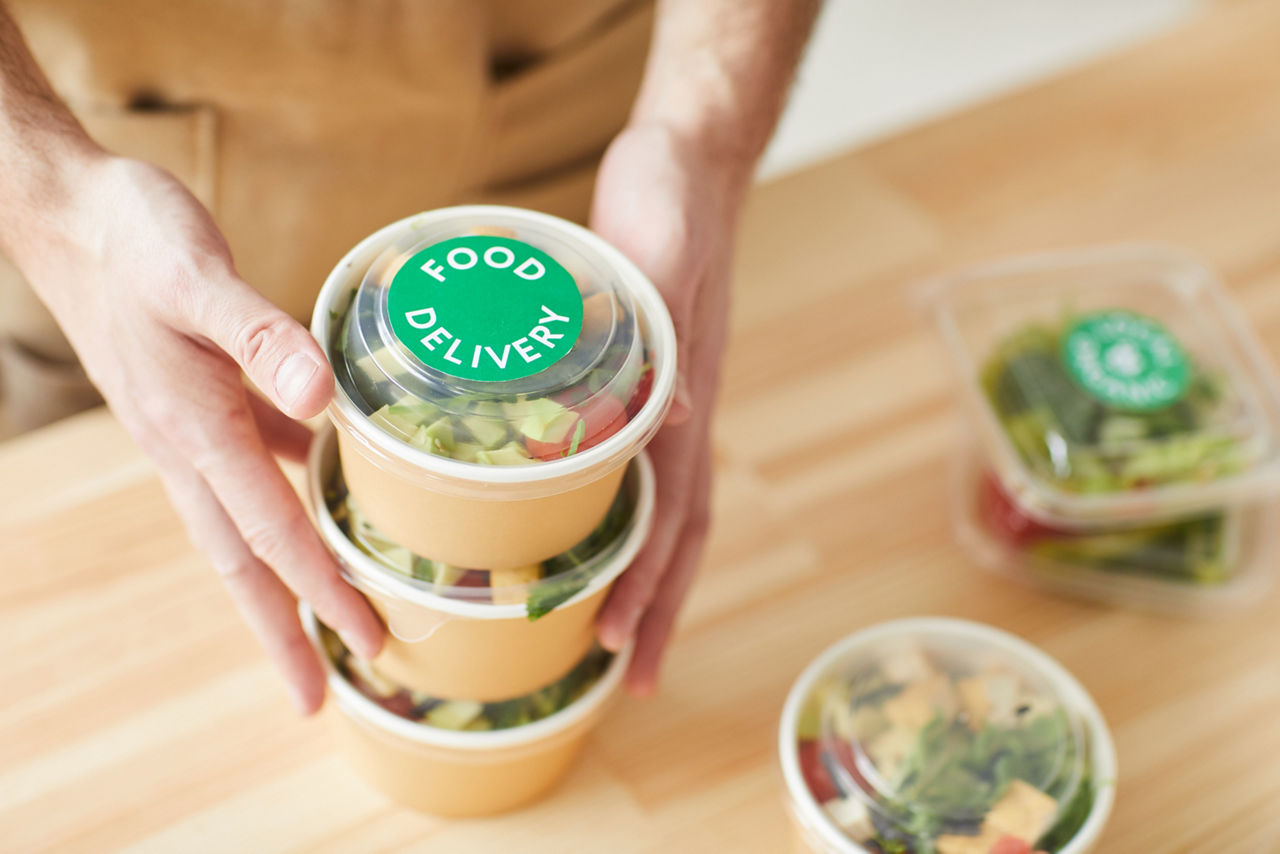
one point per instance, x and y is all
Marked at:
(1126, 360)
(485, 308)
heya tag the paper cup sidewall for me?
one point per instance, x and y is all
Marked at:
(456, 783)
(429, 770)
(490, 660)
(494, 534)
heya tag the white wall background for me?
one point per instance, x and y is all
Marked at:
(878, 66)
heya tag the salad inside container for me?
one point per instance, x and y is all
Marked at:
(540, 587)
(500, 337)
(1112, 387)
(463, 715)
(1199, 564)
(937, 736)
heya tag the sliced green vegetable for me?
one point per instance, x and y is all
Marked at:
(454, 714)
(487, 431)
(545, 420)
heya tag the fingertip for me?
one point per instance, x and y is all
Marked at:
(618, 625)
(364, 643)
(612, 638)
(306, 701)
(681, 403)
(307, 685)
(642, 678)
(641, 689)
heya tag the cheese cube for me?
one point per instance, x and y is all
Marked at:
(852, 816)
(1002, 691)
(980, 844)
(973, 702)
(508, 584)
(1024, 812)
(907, 664)
(921, 702)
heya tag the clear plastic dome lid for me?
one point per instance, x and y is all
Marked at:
(498, 337)
(938, 741)
(1112, 385)
(463, 715)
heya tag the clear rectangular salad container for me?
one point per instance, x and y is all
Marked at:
(1125, 426)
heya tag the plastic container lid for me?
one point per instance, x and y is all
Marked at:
(942, 735)
(408, 583)
(1115, 385)
(1199, 564)
(497, 337)
(599, 678)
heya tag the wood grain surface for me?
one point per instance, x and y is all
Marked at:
(137, 712)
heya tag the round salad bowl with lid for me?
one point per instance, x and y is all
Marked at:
(496, 371)
(944, 736)
(476, 634)
(462, 759)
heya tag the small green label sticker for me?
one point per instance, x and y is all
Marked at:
(485, 308)
(1126, 360)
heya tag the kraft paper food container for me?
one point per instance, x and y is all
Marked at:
(1203, 565)
(450, 639)
(462, 774)
(870, 730)
(496, 370)
(1127, 425)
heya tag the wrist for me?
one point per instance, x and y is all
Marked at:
(721, 167)
(48, 181)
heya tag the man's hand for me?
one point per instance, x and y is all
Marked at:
(142, 282)
(674, 216)
(668, 195)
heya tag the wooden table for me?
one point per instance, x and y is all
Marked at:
(138, 712)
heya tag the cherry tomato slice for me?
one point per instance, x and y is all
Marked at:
(1006, 520)
(640, 395)
(1010, 845)
(815, 773)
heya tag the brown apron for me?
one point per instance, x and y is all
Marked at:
(304, 125)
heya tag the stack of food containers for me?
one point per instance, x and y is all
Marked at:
(498, 375)
(940, 736)
(1125, 428)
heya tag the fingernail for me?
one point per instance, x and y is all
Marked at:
(293, 377)
(358, 645)
(611, 639)
(614, 636)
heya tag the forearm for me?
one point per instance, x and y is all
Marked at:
(719, 71)
(43, 149)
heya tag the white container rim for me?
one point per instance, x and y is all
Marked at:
(384, 579)
(809, 813)
(357, 704)
(623, 443)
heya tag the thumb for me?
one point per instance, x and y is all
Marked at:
(274, 350)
